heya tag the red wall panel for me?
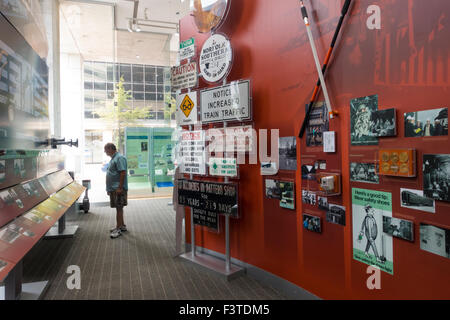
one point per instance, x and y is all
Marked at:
(406, 63)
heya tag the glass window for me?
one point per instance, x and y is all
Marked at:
(160, 97)
(99, 71)
(110, 95)
(100, 86)
(159, 88)
(138, 73)
(138, 87)
(150, 75)
(127, 86)
(110, 72)
(88, 85)
(150, 88)
(138, 96)
(150, 97)
(88, 71)
(167, 89)
(110, 86)
(125, 71)
(160, 115)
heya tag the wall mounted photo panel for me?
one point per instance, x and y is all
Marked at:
(436, 176)
(309, 197)
(312, 223)
(317, 124)
(361, 110)
(384, 123)
(435, 240)
(399, 228)
(288, 153)
(426, 123)
(287, 195)
(364, 172)
(414, 199)
(322, 203)
(273, 190)
(336, 214)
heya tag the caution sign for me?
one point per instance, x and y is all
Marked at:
(186, 108)
(184, 76)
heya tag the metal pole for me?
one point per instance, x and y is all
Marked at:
(227, 216)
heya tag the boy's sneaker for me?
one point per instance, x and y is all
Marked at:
(122, 228)
(116, 233)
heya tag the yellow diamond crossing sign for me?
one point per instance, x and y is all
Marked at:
(187, 105)
(186, 108)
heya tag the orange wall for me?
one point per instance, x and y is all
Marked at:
(406, 63)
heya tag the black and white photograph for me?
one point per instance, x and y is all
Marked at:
(361, 110)
(287, 195)
(384, 123)
(268, 168)
(322, 203)
(3, 264)
(436, 176)
(426, 123)
(312, 223)
(8, 235)
(414, 199)
(435, 240)
(288, 153)
(19, 168)
(308, 172)
(7, 196)
(398, 228)
(364, 172)
(273, 190)
(336, 214)
(317, 124)
(309, 197)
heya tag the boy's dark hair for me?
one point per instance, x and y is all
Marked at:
(111, 146)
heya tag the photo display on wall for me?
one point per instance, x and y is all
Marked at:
(287, 190)
(312, 223)
(361, 122)
(336, 214)
(364, 172)
(436, 176)
(318, 124)
(384, 123)
(414, 199)
(288, 153)
(399, 228)
(435, 240)
(426, 123)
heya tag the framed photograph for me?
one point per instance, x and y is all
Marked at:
(436, 176)
(414, 199)
(268, 168)
(317, 124)
(336, 214)
(384, 123)
(288, 153)
(322, 203)
(361, 110)
(435, 240)
(3, 264)
(399, 228)
(312, 223)
(287, 195)
(308, 172)
(364, 172)
(273, 190)
(426, 123)
(309, 197)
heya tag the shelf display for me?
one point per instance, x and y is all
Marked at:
(329, 183)
(436, 179)
(397, 162)
(426, 123)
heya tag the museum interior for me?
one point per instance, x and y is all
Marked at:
(224, 150)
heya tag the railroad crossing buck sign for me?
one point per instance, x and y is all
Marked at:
(186, 108)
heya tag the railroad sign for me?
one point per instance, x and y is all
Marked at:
(186, 112)
(187, 49)
(224, 167)
(230, 102)
(192, 152)
(215, 58)
(184, 76)
(236, 139)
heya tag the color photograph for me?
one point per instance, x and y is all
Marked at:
(308, 172)
(361, 110)
(427, 123)
(399, 228)
(312, 223)
(273, 190)
(436, 176)
(287, 195)
(317, 124)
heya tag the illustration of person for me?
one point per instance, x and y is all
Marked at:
(369, 228)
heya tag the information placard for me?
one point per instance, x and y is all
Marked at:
(226, 103)
(192, 152)
(187, 49)
(224, 167)
(208, 196)
(186, 108)
(237, 139)
(184, 76)
(206, 219)
(215, 58)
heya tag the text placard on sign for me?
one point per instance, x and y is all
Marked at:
(208, 196)
(192, 152)
(224, 167)
(226, 103)
(206, 219)
(184, 76)
(236, 139)
(215, 58)
(187, 49)
(186, 112)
